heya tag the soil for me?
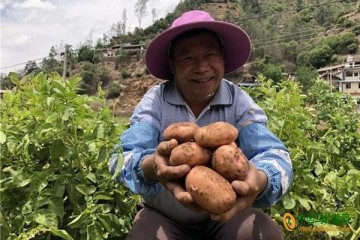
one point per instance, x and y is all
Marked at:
(131, 95)
(132, 88)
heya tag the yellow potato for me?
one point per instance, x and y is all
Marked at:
(181, 131)
(210, 190)
(190, 153)
(230, 162)
(216, 134)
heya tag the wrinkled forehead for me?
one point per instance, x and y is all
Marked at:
(191, 34)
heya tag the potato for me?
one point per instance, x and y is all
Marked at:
(190, 153)
(210, 190)
(230, 162)
(181, 131)
(216, 134)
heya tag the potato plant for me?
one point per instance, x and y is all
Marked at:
(54, 181)
(321, 130)
(54, 152)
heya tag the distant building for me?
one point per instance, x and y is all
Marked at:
(351, 77)
(113, 51)
(345, 77)
(332, 74)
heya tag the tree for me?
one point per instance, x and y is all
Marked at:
(273, 72)
(306, 76)
(30, 67)
(86, 54)
(124, 19)
(320, 56)
(299, 5)
(50, 64)
(6, 82)
(117, 29)
(154, 14)
(322, 13)
(140, 10)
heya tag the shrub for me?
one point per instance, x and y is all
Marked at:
(114, 89)
(54, 152)
(320, 130)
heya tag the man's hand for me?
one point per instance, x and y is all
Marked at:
(247, 191)
(156, 167)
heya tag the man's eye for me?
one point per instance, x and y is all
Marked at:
(213, 54)
(186, 59)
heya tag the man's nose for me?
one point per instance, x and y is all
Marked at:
(201, 65)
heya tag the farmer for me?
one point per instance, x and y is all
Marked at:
(193, 55)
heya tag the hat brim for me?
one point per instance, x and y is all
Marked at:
(237, 46)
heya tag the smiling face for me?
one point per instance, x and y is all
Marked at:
(197, 63)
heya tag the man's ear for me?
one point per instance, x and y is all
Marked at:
(171, 67)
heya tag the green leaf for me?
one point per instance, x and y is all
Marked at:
(91, 177)
(289, 203)
(86, 190)
(2, 137)
(56, 205)
(14, 78)
(102, 196)
(80, 219)
(304, 203)
(318, 168)
(46, 217)
(119, 165)
(102, 154)
(354, 172)
(3, 222)
(11, 147)
(58, 148)
(59, 86)
(100, 131)
(330, 178)
(59, 190)
(60, 233)
(69, 112)
(94, 231)
(106, 221)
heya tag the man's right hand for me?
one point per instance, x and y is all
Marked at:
(156, 167)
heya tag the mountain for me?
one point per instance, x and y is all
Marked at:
(285, 34)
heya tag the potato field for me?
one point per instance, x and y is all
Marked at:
(54, 149)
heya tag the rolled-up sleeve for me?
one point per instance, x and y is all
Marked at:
(269, 155)
(138, 142)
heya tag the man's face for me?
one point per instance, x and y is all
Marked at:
(198, 66)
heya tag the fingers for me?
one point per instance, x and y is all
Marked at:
(224, 217)
(182, 196)
(161, 164)
(179, 192)
(166, 147)
(241, 205)
(165, 172)
(241, 188)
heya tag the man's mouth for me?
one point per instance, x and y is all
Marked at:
(202, 80)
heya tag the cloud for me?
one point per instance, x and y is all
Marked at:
(35, 4)
(19, 42)
(30, 27)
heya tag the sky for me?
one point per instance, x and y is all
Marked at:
(29, 28)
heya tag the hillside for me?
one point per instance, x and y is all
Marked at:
(285, 34)
(279, 33)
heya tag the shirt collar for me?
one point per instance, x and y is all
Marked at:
(222, 97)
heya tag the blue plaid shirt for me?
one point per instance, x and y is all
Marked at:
(163, 105)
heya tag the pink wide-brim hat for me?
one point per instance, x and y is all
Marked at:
(237, 45)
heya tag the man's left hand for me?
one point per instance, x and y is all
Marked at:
(246, 191)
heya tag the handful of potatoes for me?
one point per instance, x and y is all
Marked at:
(214, 159)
